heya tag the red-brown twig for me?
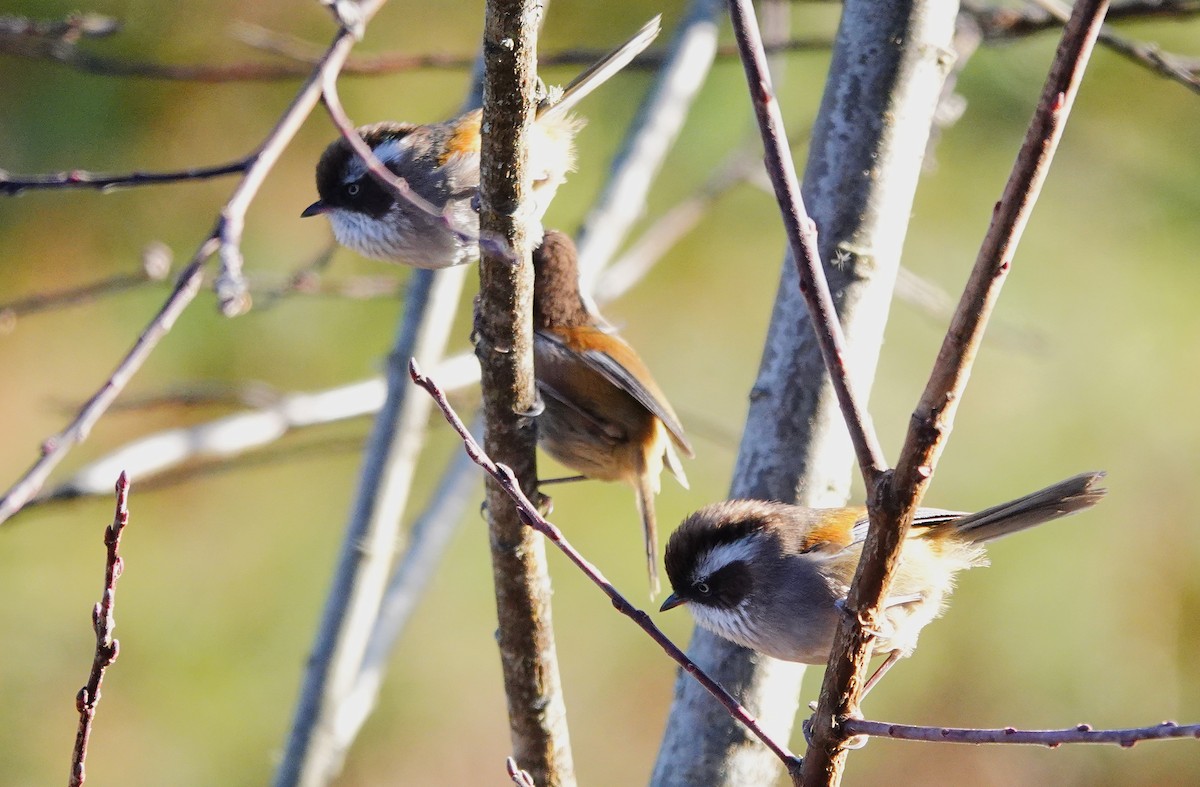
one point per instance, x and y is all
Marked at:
(802, 237)
(103, 624)
(13, 185)
(1082, 733)
(225, 238)
(893, 507)
(530, 516)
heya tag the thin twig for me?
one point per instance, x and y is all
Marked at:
(103, 624)
(226, 233)
(893, 506)
(1149, 55)
(1082, 733)
(802, 237)
(12, 185)
(530, 517)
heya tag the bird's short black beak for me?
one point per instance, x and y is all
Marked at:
(315, 209)
(672, 601)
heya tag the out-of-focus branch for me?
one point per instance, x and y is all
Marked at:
(647, 143)
(504, 346)
(1082, 733)
(317, 744)
(156, 264)
(103, 624)
(530, 517)
(1002, 24)
(428, 539)
(895, 501)
(223, 237)
(1185, 71)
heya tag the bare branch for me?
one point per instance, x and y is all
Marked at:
(802, 236)
(895, 502)
(504, 346)
(225, 235)
(13, 185)
(1082, 733)
(1184, 71)
(317, 743)
(103, 624)
(645, 147)
(530, 516)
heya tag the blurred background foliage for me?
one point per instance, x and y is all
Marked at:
(1093, 364)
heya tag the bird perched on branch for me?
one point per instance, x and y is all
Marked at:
(440, 163)
(773, 577)
(604, 416)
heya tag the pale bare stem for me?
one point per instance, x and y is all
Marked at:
(802, 236)
(668, 229)
(646, 145)
(428, 539)
(103, 624)
(321, 732)
(1082, 733)
(57, 446)
(532, 518)
(247, 430)
(893, 505)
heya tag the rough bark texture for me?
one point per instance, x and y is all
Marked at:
(537, 714)
(888, 65)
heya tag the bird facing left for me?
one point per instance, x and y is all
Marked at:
(440, 163)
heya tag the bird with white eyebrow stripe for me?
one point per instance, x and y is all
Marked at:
(773, 577)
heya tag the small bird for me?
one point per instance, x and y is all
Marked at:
(604, 416)
(773, 577)
(440, 163)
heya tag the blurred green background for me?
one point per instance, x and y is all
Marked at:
(1093, 619)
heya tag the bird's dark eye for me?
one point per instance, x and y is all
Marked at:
(702, 588)
(353, 189)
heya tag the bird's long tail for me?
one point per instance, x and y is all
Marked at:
(645, 490)
(1065, 497)
(600, 71)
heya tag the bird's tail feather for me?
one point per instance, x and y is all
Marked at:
(1065, 497)
(600, 71)
(645, 503)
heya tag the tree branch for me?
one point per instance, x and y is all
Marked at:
(802, 237)
(529, 516)
(893, 506)
(225, 235)
(1082, 733)
(103, 624)
(862, 171)
(504, 346)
